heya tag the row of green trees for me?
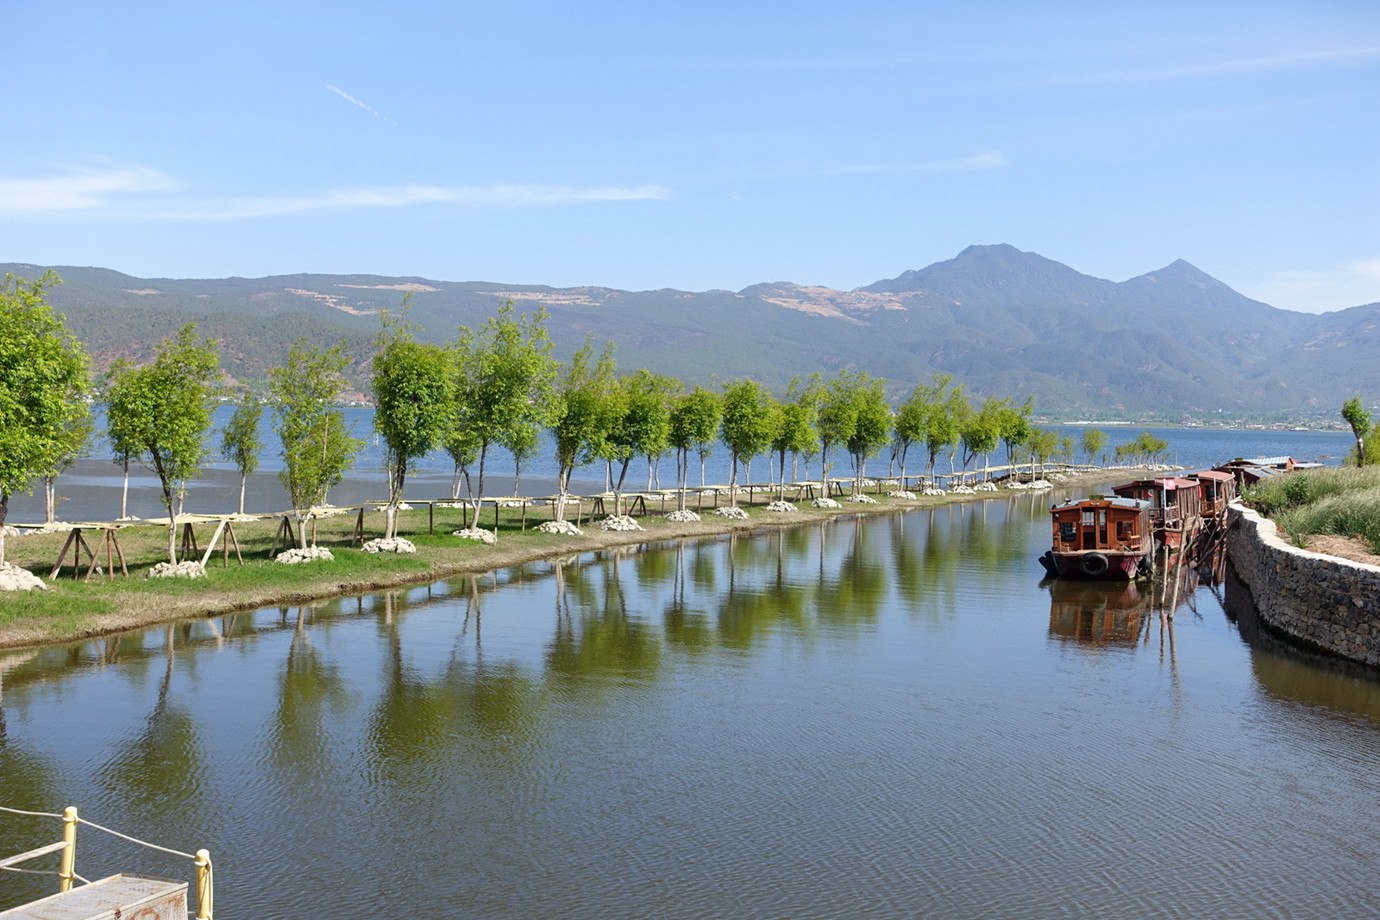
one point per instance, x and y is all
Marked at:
(495, 386)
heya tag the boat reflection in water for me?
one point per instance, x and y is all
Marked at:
(1097, 612)
(1102, 613)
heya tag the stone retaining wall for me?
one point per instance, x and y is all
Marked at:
(1321, 601)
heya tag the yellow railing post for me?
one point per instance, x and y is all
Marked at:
(69, 853)
(203, 885)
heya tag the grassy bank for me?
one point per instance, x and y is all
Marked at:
(1343, 502)
(71, 609)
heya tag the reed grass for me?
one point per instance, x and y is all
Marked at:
(1348, 514)
(1342, 501)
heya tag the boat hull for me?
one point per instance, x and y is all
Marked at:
(1095, 565)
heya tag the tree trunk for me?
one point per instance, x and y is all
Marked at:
(243, 479)
(478, 497)
(733, 479)
(618, 489)
(49, 498)
(4, 513)
(124, 493)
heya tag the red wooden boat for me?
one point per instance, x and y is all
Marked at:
(1100, 538)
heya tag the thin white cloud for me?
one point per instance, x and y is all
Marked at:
(1274, 62)
(80, 191)
(498, 196)
(988, 160)
(351, 99)
(1321, 291)
(123, 193)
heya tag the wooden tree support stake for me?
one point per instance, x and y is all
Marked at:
(188, 541)
(287, 534)
(359, 528)
(74, 537)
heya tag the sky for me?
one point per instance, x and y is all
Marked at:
(697, 145)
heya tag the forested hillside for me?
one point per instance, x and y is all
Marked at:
(998, 319)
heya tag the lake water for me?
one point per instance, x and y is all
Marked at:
(888, 717)
(90, 491)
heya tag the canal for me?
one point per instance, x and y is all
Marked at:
(882, 717)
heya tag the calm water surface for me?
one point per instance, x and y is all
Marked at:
(888, 717)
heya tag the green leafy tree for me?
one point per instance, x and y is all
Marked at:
(661, 391)
(1359, 419)
(462, 446)
(1043, 445)
(522, 444)
(582, 415)
(413, 401)
(798, 429)
(164, 409)
(838, 418)
(872, 425)
(747, 426)
(317, 447)
(642, 423)
(122, 445)
(948, 411)
(1015, 428)
(41, 369)
(694, 422)
(911, 421)
(1092, 442)
(982, 432)
(239, 442)
(505, 378)
(1066, 448)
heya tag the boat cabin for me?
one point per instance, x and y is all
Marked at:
(1118, 525)
(1216, 490)
(1175, 504)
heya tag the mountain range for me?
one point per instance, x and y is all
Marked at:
(998, 319)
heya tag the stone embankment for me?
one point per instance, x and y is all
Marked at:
(1323, 602)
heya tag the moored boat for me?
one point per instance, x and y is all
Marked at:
(1099, 538)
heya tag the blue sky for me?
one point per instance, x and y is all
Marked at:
(696, 146)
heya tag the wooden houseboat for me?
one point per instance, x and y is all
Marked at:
(1216, 489)
(1100, 538)
(1175, 507)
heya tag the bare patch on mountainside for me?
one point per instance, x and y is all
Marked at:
(570, 297)
(406, 286)
(845, 305)
(331, 300)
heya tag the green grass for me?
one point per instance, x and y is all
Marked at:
(1343, 501)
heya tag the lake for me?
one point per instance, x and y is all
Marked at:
(90, 490)
(885, 717)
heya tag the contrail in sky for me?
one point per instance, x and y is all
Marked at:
(348, 98)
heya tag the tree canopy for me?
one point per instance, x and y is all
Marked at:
(413, 401)
(317, 448)
(1358, 417)
(239, 442)
(43, 377)
(164, 408)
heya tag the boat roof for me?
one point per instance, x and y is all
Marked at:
(1132, 504)
(1212, 474)
(1159, 482)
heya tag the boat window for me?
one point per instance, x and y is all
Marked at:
(1087, 517)
(1067, 531)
